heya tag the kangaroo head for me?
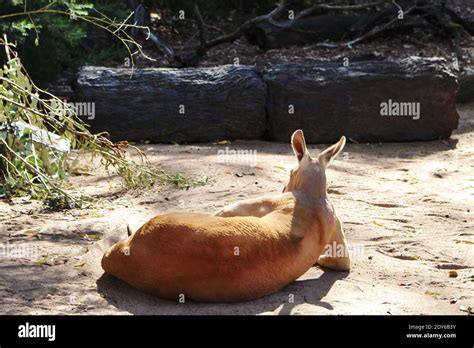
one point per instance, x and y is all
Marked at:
(310, 174)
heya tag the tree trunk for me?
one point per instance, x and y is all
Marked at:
(328, 100)
(175, 105)
(325, 99)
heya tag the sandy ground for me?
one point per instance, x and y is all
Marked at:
(406, 209)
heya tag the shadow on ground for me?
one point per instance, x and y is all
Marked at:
(309, 291)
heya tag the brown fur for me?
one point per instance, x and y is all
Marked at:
(245, 251)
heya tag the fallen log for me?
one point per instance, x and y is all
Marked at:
(377, 101)
(368, 101)
(175, 105)
(328, 30)
(268, 35)
(466, 86)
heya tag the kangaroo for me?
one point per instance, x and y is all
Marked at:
(247, 250)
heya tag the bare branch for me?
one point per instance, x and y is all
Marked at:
(246, 26)
(333, 7)
(374, 31)
(327, 7)
(201, 27)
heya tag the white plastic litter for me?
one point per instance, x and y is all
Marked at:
(42, 136)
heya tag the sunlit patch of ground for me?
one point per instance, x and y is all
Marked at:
(406, 210)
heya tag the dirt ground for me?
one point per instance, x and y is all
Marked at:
(406, 209)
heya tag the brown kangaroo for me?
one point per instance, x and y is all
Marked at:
(246, 250)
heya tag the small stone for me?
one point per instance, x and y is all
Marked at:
(453, 274)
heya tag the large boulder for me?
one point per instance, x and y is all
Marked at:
(367, 101)
(175, 105)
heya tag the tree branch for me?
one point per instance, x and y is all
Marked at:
(327, 7)
(333, 7)
(201, 27)
(246, 26)
(374, 31)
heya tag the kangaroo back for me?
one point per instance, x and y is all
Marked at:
(206, 258)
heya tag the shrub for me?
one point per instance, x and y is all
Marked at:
(51, 42)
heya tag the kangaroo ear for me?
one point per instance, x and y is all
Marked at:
(299, 144)
(327, 155)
